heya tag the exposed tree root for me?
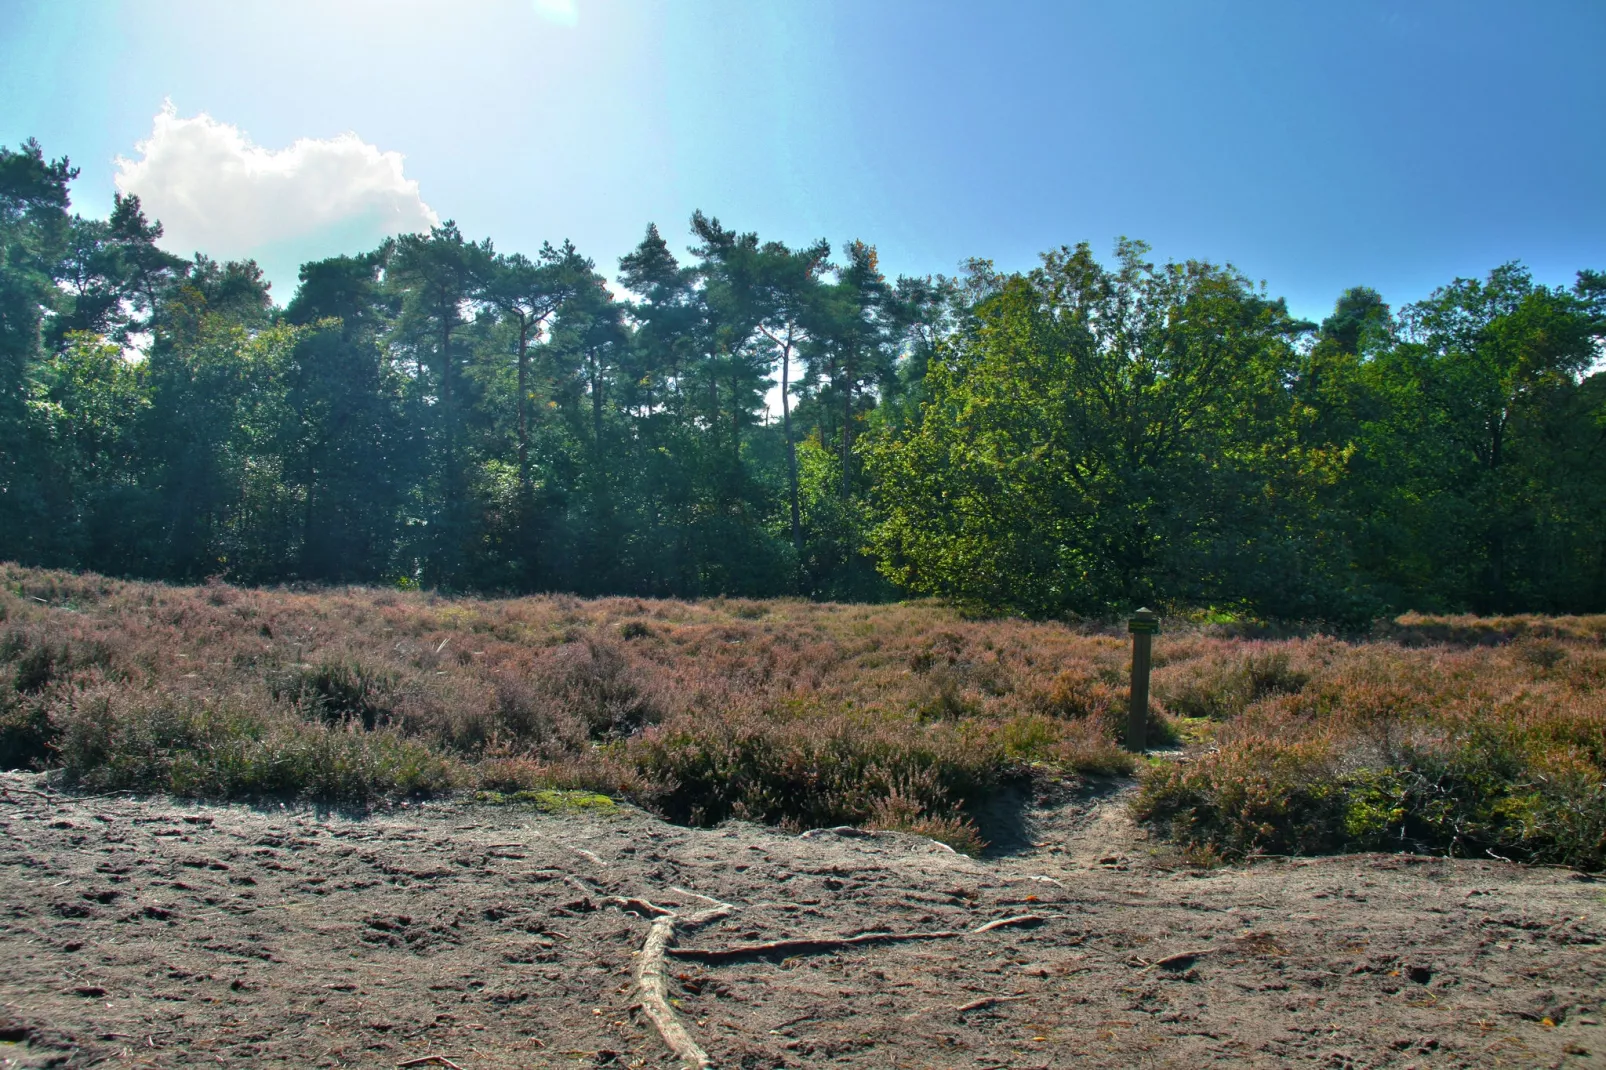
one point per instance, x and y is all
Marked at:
(812, 945)
(652, 975)
(816, 945)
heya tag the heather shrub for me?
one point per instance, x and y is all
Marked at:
(1252, 796)
(635, 629)
(1221, 688)
(1542, 654)
(898, 813)
(804, 766)
(1089, 748)
(1492, 792)
(1415, 629)
(943, 695)
(1080, 692)
(1461, 735)
(597, 681)
(36, 668)
(27, 734)
(112, 741)
(532, 718)
(338, 690)
(596, 770)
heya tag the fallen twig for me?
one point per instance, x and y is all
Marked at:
(1021, 920)
(810, 945)
(799, 1020)
(640, 906)
(7, 789)
(1179, 961)
(987, 1001)
(440, 1060)
(815, 945)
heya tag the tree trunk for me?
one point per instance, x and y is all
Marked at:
(736, 420)
(791, 447)
(446, 405)
(596, 405)
(307, 555)
(524, 401)
(847, 425)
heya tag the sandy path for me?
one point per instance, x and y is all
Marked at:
(150, 933)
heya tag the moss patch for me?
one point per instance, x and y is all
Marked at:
(550, 801)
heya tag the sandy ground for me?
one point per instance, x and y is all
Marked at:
(155, 933)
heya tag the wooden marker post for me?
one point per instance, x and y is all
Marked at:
(1143, 626)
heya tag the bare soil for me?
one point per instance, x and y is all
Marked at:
(149, 932)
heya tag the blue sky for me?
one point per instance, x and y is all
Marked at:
(1316, 146)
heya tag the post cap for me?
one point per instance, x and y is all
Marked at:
(1143, 622)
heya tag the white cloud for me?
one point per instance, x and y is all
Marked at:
(216, 192)
(562, 12)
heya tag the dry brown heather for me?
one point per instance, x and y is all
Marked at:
(1451, 733)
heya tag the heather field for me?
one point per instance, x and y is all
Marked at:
(1466, 736)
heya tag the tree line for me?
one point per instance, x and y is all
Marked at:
(1066, 441)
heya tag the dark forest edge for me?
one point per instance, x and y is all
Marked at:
(1067, 442)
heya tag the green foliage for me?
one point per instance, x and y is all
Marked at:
(1097, 438)
(1068, 441)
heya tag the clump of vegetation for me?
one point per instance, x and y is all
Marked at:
(27, 734)
(1489, 753)
(1219, 689)
(209, 749)
(338, 690)
(898, 717)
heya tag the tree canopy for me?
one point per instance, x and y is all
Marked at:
(1075, 439)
